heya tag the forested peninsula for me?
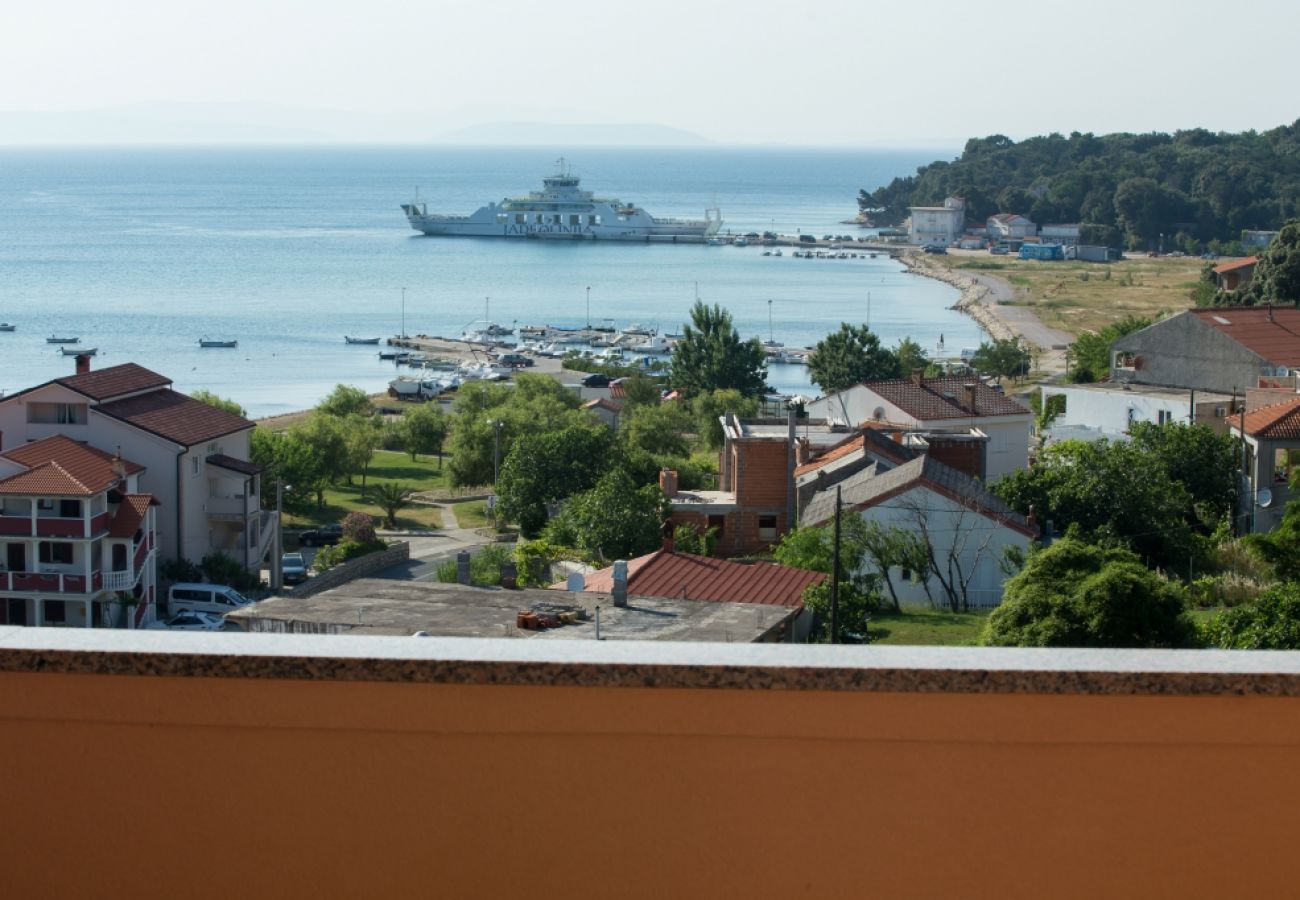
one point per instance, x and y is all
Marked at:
(1193, 190)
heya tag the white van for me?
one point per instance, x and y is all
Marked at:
(217, 599)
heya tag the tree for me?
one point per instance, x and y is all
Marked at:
(1075, 594)
(850, 356)
(542, 469)
(911, 356)
(345, 400)
(297, 463)
(1277, 276)
(1201, 461)
(362, 435)
(813, 548)
(423, 429)
(391, 497)
(325, 439)
(220, 403)
(1005, 358)
(708, 410)
(1270, 622)
(710, 356)
(1091, 350)
(614, 520)
(641, 389)
(658, 430)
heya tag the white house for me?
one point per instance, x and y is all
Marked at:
(1010, 226)
(968, 528)
(77, 536)
(937, 405)
(938, 224)
(195, 457)
(1109, 409)
(1065, 235)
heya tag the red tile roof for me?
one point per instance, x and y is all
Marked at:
(175, 416)
(59, 465)
(1271, 332)
(941, 398)
(617, 391)
(1278, 420)
(1236, 264)
(130, 514)
(602, 403)
(869, 439)
(683, 575)
(115, 381)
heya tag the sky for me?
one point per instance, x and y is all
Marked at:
(809, 72)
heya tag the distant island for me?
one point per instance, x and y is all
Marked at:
(1187, 190)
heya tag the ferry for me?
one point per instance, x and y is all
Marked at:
(561, 210)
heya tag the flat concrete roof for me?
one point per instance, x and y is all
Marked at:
(1159, 392)
(375, 606)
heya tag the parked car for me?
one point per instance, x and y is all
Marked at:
(935, 248)
(807, 239)
(999, 251)
(293, 568)
(515, 360)
(596, 379)
(190, 620)
(319, 537)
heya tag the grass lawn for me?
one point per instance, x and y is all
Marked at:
(471, 514)
(927, 627)
(388, 466)
(1080, 296)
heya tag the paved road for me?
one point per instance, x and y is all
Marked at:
(430, 550)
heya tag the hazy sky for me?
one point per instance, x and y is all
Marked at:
(794, 71)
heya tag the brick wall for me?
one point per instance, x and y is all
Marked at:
(352, 569)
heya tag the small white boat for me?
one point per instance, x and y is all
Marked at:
(740, 242)
(52, 339)
(777, 252)
(716, 242)
(205, 342)
(78, 351)
(7, 326)
(356, 340)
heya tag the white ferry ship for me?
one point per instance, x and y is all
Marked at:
(561, 210)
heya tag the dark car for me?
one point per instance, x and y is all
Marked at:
(807, 239)
(596, 379)
(319, 537)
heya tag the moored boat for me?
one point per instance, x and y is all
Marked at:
(205, 342)
(78, 351)
(357, 340)
(54, 339)
(7, 326)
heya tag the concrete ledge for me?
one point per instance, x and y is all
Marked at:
(490, 661)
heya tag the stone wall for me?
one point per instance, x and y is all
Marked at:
(353, 569)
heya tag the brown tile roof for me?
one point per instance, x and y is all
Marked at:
(60, 465)
(941, 398)
(678, 575)
(242, 466)
(1236, 264)
(1278, 420)
(115, 381)
(130, 513)
(870, 439)
(1272, 333)
(617, 391)
(869, 488)
(175, 416)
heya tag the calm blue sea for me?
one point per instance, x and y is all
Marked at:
(142, 251)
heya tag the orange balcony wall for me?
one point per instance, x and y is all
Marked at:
(227, 765)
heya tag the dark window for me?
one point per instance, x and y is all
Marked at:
(718, 523)
(54, 611)
(13, 612)
(70, 509)
(767, 528)
(56, 552)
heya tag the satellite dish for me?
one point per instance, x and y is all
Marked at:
(1264, 498)
(878, 413)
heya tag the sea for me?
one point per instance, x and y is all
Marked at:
(142, 251)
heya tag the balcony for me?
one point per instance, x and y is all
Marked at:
(621, 769)
(231, 508)
(51, 583)
(48, 526)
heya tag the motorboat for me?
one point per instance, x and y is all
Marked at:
(78, 351)
(356, 340)
(205, 342)
(53, 339)
(7, 326)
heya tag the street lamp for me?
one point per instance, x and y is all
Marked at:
(496, 457)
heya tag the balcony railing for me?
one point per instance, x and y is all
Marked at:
(51, 583)
(53, 526)
(236, 508)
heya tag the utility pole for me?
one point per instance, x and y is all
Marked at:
(403, 313)
(835, 573)
(588, 307)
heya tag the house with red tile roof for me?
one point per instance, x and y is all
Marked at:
(968, 527)
(684, 576)
(1235, 275)
(606, 411)
(1010, 226)
(78, 535)
(937, 406)
(1272, 435)
(195, 457)
(1227, 350)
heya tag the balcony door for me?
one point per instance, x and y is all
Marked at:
(16, 557)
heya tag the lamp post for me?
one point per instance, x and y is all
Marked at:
(496, 456)
(588, 306)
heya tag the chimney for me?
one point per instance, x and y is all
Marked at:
(83, 363)
(802, 451)
(668, 482)
(968, 397)
(918, 375)
(620, 582)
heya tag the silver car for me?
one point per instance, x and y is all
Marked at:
(293, 568)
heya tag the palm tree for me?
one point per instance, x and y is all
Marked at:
(390, 497)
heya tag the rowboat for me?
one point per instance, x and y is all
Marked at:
(78, 351)
(204, 342)
(52, 339)
(355, 340)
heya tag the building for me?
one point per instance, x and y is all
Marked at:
(941, 225)
(936, 406)
(1235, 275)
(375, 606)
(1109, 409)
(1226, 350)
(194, 456)
(607, 412)
(1010, 227)
(1065, 235)
(79, 538)
(968, 527)
(685, 576)
(1257, 240)
(1272, 436)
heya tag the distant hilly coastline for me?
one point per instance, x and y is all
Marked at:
(269, 123)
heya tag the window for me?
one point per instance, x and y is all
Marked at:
(56, 553)
(537, 220)
(593, 220)
(575, 220)
(521, 219)
(54, 611)
(56, 413)
(1163, 417)
(1125, 360)
(45, 503)
(194, 465)
(70, 509)
(718, 524)
(16, 506)
(767, 528)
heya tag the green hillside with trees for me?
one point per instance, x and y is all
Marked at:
(1197, 188)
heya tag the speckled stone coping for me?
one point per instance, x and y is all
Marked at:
(488, 661)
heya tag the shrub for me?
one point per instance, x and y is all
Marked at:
(329, 557)
(484, 567)
(218, 568)
(359, 527)
(1270, 622)
(689, 538)
(535, 559)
